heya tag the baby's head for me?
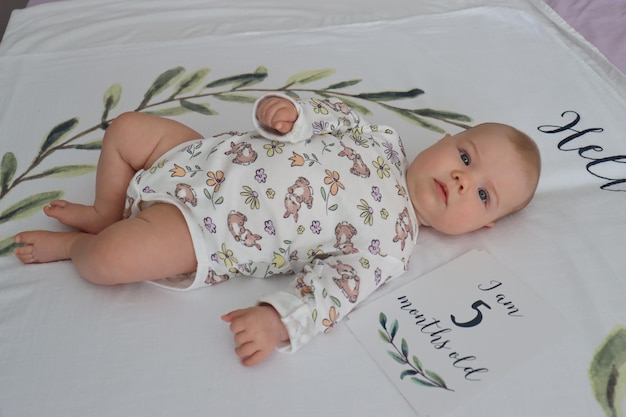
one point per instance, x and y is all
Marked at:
(471, 179)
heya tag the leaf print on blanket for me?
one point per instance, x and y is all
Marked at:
(607, 372)
(177, 91)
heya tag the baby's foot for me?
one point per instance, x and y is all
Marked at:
(43, 246)
(82, 217)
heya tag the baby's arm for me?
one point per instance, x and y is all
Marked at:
(258, 331)
(326, 291)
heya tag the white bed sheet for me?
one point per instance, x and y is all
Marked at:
(599, 21)
(71, 348)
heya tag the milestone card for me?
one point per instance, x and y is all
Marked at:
(453, 331)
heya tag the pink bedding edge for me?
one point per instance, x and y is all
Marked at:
(601, 22)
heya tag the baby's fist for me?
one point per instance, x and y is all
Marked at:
(277, 113)
(258, 331)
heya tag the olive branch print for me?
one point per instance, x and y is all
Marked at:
(415, 369)
(177, 91)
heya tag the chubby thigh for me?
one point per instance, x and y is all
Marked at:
(154, 244)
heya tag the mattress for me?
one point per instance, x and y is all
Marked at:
(71, 348)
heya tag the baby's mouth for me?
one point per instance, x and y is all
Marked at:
(442, 190)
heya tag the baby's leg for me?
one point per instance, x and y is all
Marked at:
(154, 245)
(132, 142)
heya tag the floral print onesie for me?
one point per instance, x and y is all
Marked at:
(326, 202)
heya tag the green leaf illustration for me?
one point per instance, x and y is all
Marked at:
(198, 108)
(417, 363)
(401, 355)
(190, 82)
(422, 382)
(306, 77)
(236, 98)
(442, 115)
(260, 76)
(57, 134)
(239, 80)
(390, 95)
(29, 205)
(408, 372)
(168, 112)
(607, 372)
(292, 94)
(66, 171)
(396, 357)
(382, 319)
(162, 82)
(7, 170)
(383, 336)
(343, 84)
(416, 119)
(112, 97)
(7, 246)
(394, 329)
(89, 146)
(405, 348)
(435, 377)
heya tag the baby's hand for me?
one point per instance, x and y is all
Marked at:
(258, 330)
(277, 113)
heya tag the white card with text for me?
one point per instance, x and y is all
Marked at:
(451, 332)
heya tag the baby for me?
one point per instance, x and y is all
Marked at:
(315, 192)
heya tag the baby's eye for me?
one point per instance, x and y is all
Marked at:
(483, 195)
(465, 157)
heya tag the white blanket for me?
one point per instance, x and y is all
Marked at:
(69, 348)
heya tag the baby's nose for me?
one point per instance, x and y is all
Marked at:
(462, 180)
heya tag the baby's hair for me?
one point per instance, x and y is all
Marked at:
(526, 148)
(529, 151)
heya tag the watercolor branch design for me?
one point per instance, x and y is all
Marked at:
(177, 91)
(414, 367)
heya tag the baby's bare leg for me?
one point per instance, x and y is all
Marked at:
(156, 244)
(132, 142)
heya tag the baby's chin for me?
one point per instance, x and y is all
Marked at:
(454, 229)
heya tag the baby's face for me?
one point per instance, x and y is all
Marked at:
(467, 181)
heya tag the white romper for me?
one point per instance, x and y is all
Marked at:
(326, 202)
